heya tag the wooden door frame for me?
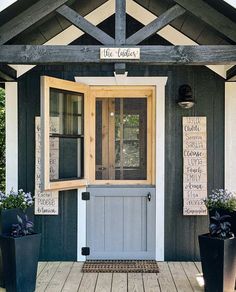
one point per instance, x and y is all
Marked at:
(136, 91)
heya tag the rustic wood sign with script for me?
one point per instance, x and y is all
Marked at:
(46, 203)
(120, 53)
(194, 165)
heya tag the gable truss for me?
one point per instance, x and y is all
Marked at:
(182, 54)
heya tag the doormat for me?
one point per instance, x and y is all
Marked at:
(119, 266)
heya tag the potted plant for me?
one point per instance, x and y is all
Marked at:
(224, 202)
(218, 255)
(13, 204)
(20, 252)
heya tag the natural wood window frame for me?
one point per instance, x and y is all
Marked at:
(46, 84)
(123, 92)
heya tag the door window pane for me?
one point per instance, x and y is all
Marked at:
(66, 135)
(121, 138)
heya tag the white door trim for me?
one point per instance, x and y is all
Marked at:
(160, 83)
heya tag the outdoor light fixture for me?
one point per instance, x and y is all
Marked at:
(185, 97)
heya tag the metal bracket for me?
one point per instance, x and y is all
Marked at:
(85, 251)
(85, 196)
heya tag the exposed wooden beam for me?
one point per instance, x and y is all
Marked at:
(162, 55)
(231, 74)
(7, 73)
(120, 22)
(27, 18)
(86, 26)
(120, 30)
(156, 25)
(120, 68)
(210, 16)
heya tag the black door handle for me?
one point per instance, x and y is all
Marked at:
(149, 196)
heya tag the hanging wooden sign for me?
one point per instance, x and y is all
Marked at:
(120, 53)
(46, 203)
(194, 165)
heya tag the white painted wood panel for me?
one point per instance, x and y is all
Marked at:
(230, 136)
(11, 95)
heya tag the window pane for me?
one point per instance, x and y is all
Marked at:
(66, 135)
(121, 138)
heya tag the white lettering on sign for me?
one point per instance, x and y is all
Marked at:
(120, 53)
(194, 165)
(46, 203)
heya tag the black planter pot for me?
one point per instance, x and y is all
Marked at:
(231, 220)
(20, 261)
(218, 259)
(7, 218)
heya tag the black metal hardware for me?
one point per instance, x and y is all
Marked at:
(149, 196)
(85, 251)
(85, 196)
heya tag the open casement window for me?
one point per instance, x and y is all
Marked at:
(64, 112)
(122, 135)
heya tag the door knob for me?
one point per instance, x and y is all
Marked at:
(149, 196)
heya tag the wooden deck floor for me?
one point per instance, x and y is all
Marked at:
(67, 277)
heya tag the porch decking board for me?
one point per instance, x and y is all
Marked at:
(165, 278)
(73, 281)
(41, 266)
(192, 272)
(46, 276)
(88, 283)
(59, 278)
(150, 282)
(104, 282)
(120, 282)
(135, 282)
(199, 266)
(181, 281)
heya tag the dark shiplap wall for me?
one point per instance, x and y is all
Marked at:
(59, 233)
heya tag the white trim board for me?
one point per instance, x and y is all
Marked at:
(160, 83)
(136, 11)
(230, 136)
(11, 107)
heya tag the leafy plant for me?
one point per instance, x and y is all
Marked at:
(23, 227)
(220, 228)
(221, 199)
(16, 199)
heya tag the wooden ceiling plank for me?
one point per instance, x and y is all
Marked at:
(27, 18)
(86, 26)
(156, 55)
(156, 25)
(7, 73)
(209, 15)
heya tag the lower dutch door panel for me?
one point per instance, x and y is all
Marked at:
(121, 223)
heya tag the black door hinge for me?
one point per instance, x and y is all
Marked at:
(85, 196)
(85, 251)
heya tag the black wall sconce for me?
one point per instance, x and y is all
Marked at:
(185, 96)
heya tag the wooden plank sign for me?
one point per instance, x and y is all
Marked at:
(46, 203)
(194, 165)
(120, 53)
